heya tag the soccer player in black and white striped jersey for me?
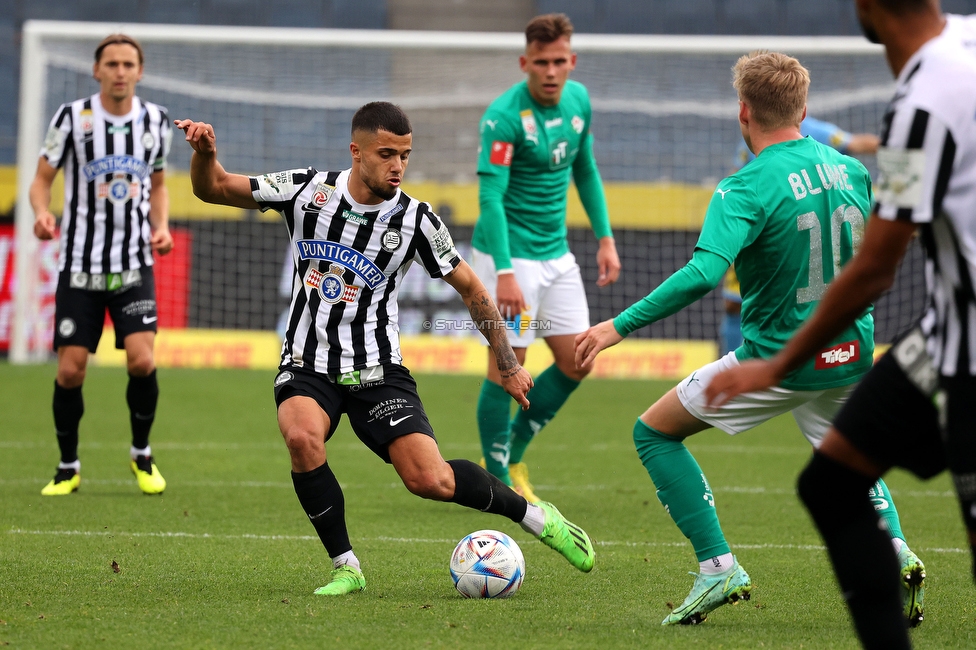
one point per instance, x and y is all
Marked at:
(354, 234)
(112, 147)
(916, 408)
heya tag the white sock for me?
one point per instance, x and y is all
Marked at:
(717, 564)
(346, 558)
(76, 466)
(140, 452)
(898, 544)
(534, 521)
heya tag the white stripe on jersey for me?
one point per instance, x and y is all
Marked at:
(927, 164)
(350, 260)
(108, 160)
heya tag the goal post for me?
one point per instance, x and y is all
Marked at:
(664, 125)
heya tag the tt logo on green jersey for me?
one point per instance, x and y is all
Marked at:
(559, 154)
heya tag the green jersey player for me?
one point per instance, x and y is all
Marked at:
(789, 220)
(535, 138)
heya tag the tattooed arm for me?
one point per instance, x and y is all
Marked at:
(515, 380)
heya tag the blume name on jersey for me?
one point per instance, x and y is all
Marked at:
(832, 177)
(317, 249)
(113, 164)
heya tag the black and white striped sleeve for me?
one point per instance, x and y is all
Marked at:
(58, 135)
(435, 246)
(276, 190)
(915, 162)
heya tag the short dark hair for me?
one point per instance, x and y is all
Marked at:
(902, 7)
(377, 116)
(548, 28)
(117, 39)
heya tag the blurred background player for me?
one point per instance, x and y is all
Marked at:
(915, 409)
(113, 148)
(535, 138)
(778, 219)
(354, 234)
(852, 144)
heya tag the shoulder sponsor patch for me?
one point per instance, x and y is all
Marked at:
(501, 153)
(443, 243)
(54, 143)
(900, 177)
(577, 123)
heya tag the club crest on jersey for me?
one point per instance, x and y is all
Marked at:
(118, 190)
(320, 196)
(332, 288)
(349, 258)
(577, 124)
(148, 140)
(529, 126)
(86, 120)
(391, 239)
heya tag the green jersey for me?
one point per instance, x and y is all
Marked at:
(788, 221)
(528, 154)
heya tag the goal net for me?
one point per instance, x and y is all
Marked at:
(664, 122)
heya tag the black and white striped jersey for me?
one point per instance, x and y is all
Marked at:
(107, 160)
(927, 164)
(350, 260)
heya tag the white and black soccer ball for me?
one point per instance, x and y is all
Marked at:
(487, 564)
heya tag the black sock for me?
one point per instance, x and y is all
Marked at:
(69, 406)
(475, 487)
(142, 393)
(321, 497)
(861, 551)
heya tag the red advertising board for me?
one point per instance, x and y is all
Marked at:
(172, 273)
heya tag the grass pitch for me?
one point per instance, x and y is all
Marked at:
(226, 558)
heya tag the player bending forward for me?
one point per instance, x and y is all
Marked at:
(354, 235)
(788, 220)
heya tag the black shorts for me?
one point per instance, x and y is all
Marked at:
(79, 313)
(924, 424)
(382, 403)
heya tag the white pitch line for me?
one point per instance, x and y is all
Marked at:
(408, 540)
(722, 489)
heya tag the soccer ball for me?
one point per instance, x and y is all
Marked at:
(487, 564)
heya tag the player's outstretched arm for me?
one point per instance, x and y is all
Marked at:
(594, 340)
(515, 380)
(868, 275)
(211, 182)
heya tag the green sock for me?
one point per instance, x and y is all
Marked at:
(682, 489)
(884, 505)
(494, 411)
(551, 390)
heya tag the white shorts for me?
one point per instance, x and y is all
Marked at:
(813, 410)
(553, 292)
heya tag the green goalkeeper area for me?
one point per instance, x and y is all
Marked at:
(226, 557)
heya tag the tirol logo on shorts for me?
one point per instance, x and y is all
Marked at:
(283, 377)
(67, 328)
(838, 355)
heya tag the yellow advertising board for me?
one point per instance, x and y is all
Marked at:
(631, 359)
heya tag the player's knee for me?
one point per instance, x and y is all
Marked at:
(141, 365)
(71, 375)
(301, 441)
(429, 483)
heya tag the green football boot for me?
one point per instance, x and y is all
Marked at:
(345, 580)
(913, 579)
(710, 592)
(567, 538)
